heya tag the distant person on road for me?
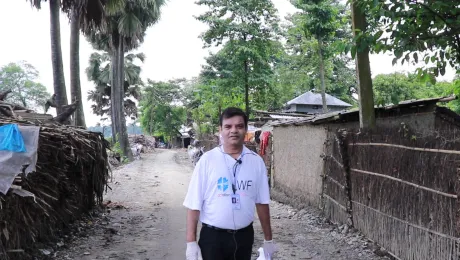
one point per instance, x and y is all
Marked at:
(228, 184)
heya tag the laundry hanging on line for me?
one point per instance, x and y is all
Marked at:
(264, 142)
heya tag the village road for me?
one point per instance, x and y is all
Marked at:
(146, 220)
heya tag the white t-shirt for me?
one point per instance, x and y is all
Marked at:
(210, 189)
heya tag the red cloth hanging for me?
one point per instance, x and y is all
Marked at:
(264, 142)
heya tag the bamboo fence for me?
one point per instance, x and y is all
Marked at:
(403, 190)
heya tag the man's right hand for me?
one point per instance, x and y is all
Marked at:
(193, 251)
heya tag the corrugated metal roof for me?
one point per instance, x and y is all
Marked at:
(336, 115)
(310, 98)
(284, 117)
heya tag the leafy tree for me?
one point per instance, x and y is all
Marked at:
(417, 30)
(90, 15)
(99, 72)
(320, 19)
(125, 29)
(396, 87)
(161, 113)
(393, 88)
(297, 70)
(21, 79)
(248, 30)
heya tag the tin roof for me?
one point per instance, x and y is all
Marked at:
(334, 116)
(310, 98)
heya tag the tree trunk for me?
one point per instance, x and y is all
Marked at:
(151, 121)
(121, 120)
(246, 86)
(321, 73)
(75, 87)
(363, 70)
(56, 57)
(114, 93)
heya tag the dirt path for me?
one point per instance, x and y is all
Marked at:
(146, 220)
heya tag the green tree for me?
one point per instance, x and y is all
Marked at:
(320, 19)
(396, 87)
(21, 78)
(417, 30)
(298, 70)
(248, 28)
(390, 89)
(160, 112)
(126, 24)
(99, 71)
(91, 15)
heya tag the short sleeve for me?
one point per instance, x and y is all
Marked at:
(196, 189)
(263, 193)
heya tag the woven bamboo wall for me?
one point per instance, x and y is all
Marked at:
(404, 191)
(335, 198)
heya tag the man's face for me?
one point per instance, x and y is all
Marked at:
(233, 130)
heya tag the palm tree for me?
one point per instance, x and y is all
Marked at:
(75, 87)
(93, 16)
(99, 72)
(126, 27)
(56, 57)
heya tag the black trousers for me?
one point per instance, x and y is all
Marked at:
(220, 245)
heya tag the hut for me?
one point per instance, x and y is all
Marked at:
(299, 144)
(312, 103)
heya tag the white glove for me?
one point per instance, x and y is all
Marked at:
(193, 251)
(269, 249)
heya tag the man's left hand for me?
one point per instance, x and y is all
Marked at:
(269, 249)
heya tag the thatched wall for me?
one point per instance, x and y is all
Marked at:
(404, 188)
(72, 172)
(336, 186)
(298, 164)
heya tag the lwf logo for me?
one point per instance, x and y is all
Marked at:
(244, 185)
(222, 184)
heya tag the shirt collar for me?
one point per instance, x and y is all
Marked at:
(247, 151)
(244, 152)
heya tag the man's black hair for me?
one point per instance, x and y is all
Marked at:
(231, 112)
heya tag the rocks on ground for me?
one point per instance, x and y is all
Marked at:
(147, 142)
(305, 234)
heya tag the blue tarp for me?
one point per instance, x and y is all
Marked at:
(11, 139)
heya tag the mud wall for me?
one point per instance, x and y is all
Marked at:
(297, 163)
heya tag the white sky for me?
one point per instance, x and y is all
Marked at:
(172, 46)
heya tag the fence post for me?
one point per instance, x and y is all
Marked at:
(343, 140)
(457, 215)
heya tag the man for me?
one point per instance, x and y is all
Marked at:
(228, 184)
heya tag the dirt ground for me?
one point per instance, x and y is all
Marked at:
(145, 220)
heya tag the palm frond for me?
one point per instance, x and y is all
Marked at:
(129, 25)
(114, 7)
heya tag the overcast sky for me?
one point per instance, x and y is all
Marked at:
(172, 46)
